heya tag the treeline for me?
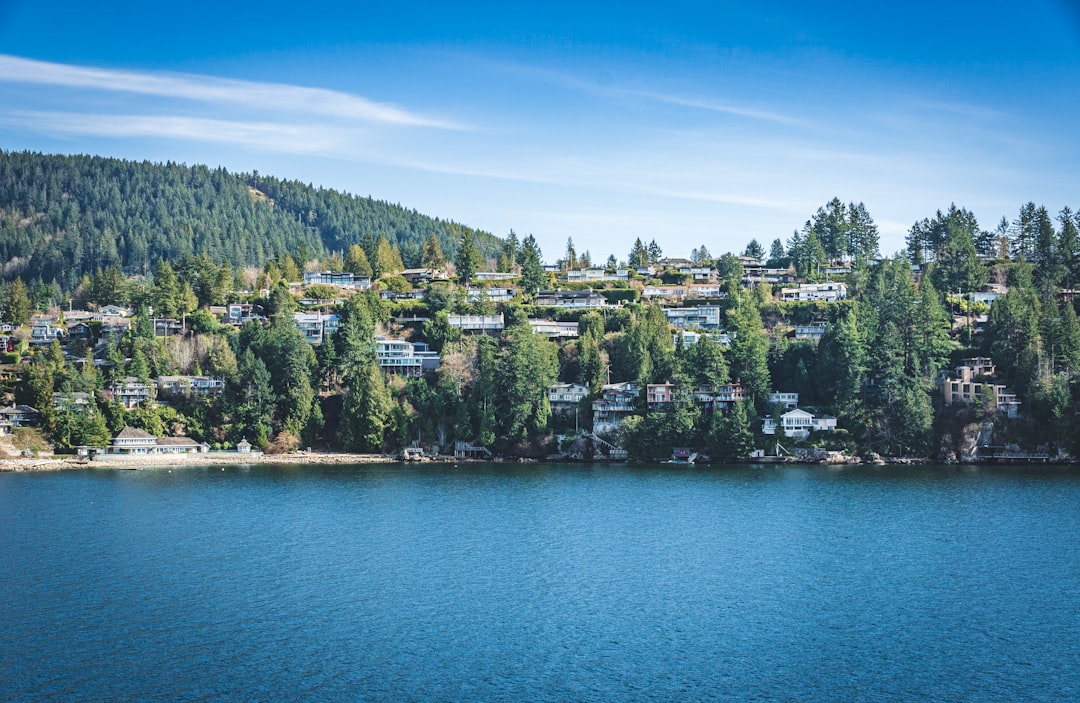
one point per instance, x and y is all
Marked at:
(65, 216)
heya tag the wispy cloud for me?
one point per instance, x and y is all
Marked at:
(724, 108)
(263, 135)
(222, 91)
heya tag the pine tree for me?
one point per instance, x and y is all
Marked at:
(356, 261)
(467, 260)
(432, 254)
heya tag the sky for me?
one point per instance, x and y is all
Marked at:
(691, 123)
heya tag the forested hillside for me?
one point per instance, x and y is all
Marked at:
(65, 216)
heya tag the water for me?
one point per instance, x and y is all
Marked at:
(540, 583)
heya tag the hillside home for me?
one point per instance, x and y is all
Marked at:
(480, 276)
(133, 441)
(798, 424)
(689, 338)
(617, 402)
(15, 416)
(706, 317)
(75, 402)
(829, 292)
(665, 292)
(402, 358)
(554, 329)
(564, 397)
(203, 386)
(343, 280)
(960, 386)
(129, 392)
(492, 295)
(813, 332)
(659, 395)
(316, 326)
(784, 400)
(572, 300)
(167, 327)
(478, 323)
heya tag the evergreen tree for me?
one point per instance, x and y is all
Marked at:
(356, 261)
(749, 347)
(432, 255)
(366, 410)
(532, 266)
(17, 304)
(639, 255)
(467, 261)
(754, 250)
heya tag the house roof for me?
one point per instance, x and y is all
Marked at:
(176, 442)
(130, 432)
(17, 410)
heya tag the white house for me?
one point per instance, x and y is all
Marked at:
(706, 317)
(564, 397)
(785, 400)
(617, 401)
(343, 280)
(553, 328)
(190, 385)
(829, 292)
(316, 326)
(798, 423)
(396, 356)
(477, 323)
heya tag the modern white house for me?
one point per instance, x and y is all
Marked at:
(573, 299)
(798, 424)
(129, 391)
(829, 292)
(190, 385)
(784, 400)
(706, 317)
(814, 331)
(402, 358)
(478, 323)
(343, 280)
(553, 328)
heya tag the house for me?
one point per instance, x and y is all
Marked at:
(316, 326)
(617, 402)
(477, 323)
(45, 333)
(9, 343)
(659, 395)
(480, 276)
(647, 271)
(784, 400)
(79, 332)
(114, 310)
(564, 397)
(699, 274)
(416, 294)
(706, 317)
(190, 385)
(689, 338)
(814, 331)
(20, 416)
(574, 300)
(705, 291)
(133, 441)
(969, 382)
(553, 328)
(421, 276)
(491, 295)
(129, 392)
(76, 402)
(720, 397)
(829, 292)
(343, 280)
(665, 292)
(591, 275)
(402, 358)
(798, 423)
(240, 313)
(167, 327)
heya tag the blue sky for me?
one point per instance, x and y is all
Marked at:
(689, 123)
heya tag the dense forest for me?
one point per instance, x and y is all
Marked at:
(65, 216)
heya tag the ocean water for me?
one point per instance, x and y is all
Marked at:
(540, 583)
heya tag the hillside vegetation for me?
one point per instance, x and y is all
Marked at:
(65, 216)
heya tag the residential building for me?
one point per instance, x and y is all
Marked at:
(659, 395)
(617, 401)
(421, 276)
(564, 397)
(665, 292)
(699, 274)
(705, 317)
(190, 385)
(705, 291)
(76, 401)
(814, 331)
(784, 400)
(478, 323)
(574, 300)
(402, 358)
(480, 276)
(108, 310)
(970, 381)
(167, 327)
(316, 326)
(553, 328)
(492, 295)
(690, 338)
(134, 441)
(798, 424)
(344, 280)
(129, 392)
(829, 292)
(15, 416)
(590, 275)
(240, 313)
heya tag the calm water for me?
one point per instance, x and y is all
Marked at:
(545, 583)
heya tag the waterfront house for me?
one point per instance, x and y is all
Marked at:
(491, 295)
(784, 400)
(134, 442)
(689, 338)
(617, 402)
(970, 382)
(659, 395)
(15, 416)
(402, 358)
(798, 424)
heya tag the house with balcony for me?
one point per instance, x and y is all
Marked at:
(15, 416)
(706, 317)
(665, 292)
(554, 329)
(402, 358)
(798, 424)
(129, 392)
(689, 338)
(202, 386)
(828, 292)
(316, 327)
(77, 402)
(617, 402)
(571, 299)
(813, 331)
(564, 397)
(785, 400)
(659, 395)
(491, 295)
(481, 276)
(972, 380)
(341, 279)
(135, 442)
(478, 323)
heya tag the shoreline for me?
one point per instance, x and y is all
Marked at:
(123, 461)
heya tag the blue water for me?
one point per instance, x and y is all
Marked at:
(540, 583)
